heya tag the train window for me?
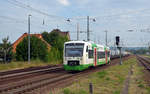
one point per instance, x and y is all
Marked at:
(108, 54)
(74, 50)
(90, 52)
(86, 48)
(100, 55)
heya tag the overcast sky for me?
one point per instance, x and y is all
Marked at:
(115, 16)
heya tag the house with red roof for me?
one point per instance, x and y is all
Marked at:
(25, 35)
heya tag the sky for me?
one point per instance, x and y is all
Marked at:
(118, 17)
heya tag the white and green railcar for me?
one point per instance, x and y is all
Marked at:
(79, 55)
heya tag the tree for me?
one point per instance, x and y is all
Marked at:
(46, 37)
(6, 49)
(38, 50)
(57, 42)
(149, 47)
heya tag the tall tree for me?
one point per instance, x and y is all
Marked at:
(46, 37)
(57, 41)
(38, 50)
(6, 48)
(149, 47)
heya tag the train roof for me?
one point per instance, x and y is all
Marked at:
(87, 42)
(75, 42)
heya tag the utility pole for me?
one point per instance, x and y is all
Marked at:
(77, 31)
(120, 55)
(88, 35)
(88, 31)
(115, 48)
(106, 36)
(29, 38)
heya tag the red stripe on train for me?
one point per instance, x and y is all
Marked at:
(106, 55)
(95, 57)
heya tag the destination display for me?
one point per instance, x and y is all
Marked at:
(76, 46)
(80, 45)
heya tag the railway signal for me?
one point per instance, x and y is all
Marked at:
(119, 47)
(117, 40)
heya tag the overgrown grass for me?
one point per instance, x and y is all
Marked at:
(102, 74)
(110, 81)
(146, 55)
(80, 91)
(107, 81)
(19, 65)
(137, 83)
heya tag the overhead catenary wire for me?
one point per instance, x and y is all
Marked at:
(28, 7)
(20, 4)
(124, 13)
(17, 2)
(24, 22)
(12, 19)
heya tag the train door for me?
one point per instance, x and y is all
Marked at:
(90, 55)
(106, 56)
(87, 55)
(95, 57)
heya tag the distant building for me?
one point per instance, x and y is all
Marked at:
(64, 33)
(25, 35)
(40, 37)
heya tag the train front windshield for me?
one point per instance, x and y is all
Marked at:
(74, 50)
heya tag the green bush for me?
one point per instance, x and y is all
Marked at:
(82, 92)
(116, 92)
(54, 55)
(107, 78)
(6, 50)
(38, 49)
(57, 42)
(66, 91)
(141, 85)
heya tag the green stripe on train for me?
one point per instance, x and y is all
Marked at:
(79, 67)
(94, 45)
(82, 67)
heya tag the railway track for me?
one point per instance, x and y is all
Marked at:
(22, 75)
(15, 82)
(38, 78)
(29, 84)
(145, 62)
(17, 71)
